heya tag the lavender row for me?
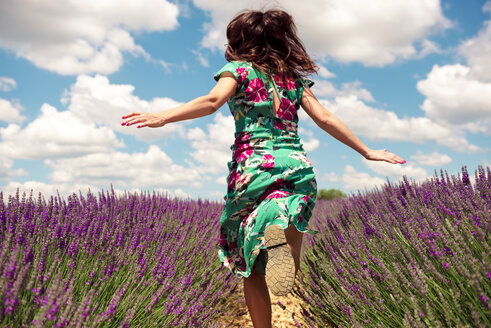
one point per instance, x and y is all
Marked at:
(110, 261)
(409, 255)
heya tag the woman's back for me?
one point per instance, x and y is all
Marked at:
(270, 179)
(252, 105)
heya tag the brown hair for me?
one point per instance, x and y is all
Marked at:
(269, 41)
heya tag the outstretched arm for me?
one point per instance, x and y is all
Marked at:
(198, 107)
(332, 125)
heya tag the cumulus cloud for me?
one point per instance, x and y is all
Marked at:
(331, 177)
(55, 134)
(428, 47)
(66, 189)
(396, 172)
(378, 124)
(7, 83)
(459, 94)
(455, 97)
(153, 169)
(46, 189)
(94, 99)
(434, 159)
(201, 58)
(477, 51)
(74, 37)
(327, 89)
(10, 111)
(354, 180)
(212, 149)
(6, 170)
(311, 143)
(325, 73)
(346, 30)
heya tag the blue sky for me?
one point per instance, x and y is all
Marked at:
(410, 76)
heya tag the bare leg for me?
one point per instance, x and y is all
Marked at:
(257, 299)
(294, 240)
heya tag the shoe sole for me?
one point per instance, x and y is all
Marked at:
(280, 268)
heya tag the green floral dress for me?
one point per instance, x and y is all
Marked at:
(270, 179)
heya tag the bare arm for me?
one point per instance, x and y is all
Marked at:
(332, 125)
(198, 107)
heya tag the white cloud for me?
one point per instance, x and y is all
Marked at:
(216, 196)
(433, 159)
(347, 30)
(7, 83)
(46, 189)
(55, 134)
(487, 7)
(165, 65)
(331, 177)
(153, 169)
(96, 100)
(212, 150)
(10, 112)
(221, 180)
(325, 73)
(6, 170)
(428, 47)
(353, 180)
(326, 88)
(74, 37)
(309, 144)
(453, 96)
(377, 124)
(459, 96)
(201, 58)
(67, 189)
(179, 193)
(397, 171)
(477, 51)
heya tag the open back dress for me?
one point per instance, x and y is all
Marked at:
(270, 179)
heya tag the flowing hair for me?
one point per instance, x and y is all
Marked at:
(269, 41)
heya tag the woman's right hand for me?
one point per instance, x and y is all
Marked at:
(383, 155)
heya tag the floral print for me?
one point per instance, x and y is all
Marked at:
(242, 72)
(255, 91)
(286, 110)
(270, 179)
(284, 82)
(268, 161)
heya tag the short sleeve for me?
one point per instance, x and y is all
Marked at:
(229, 67)
(301, 84)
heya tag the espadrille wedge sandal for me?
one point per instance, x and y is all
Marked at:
(280, 268)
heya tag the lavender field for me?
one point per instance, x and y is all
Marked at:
(409, 255)
(111, 261)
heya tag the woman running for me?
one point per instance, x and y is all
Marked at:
(271, 183)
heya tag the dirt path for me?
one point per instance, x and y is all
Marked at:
(286, 312)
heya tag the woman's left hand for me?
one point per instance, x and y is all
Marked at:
(384, 155)
(143, 119)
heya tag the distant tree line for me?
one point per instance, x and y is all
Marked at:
(330, 194)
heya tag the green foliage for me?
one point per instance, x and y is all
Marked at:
(330, 194)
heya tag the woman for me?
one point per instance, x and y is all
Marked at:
(271, 183)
